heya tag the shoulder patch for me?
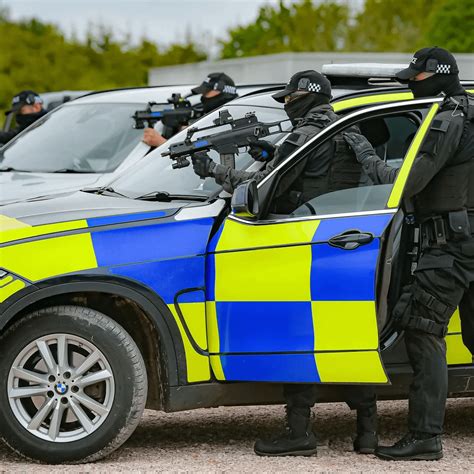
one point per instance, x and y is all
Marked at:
(440, 125)
(296, 139)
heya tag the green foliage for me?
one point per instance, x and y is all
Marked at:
(302, 26)
(329, 25)
(35, 55)
(391, 25)
(452, 26)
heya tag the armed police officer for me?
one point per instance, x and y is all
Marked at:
(332, 167)
(28, 107)
(216, 90)
(441, 186)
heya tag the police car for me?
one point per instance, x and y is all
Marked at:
(83, 142)
(157, 291)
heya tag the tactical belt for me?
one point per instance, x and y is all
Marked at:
(439, 230)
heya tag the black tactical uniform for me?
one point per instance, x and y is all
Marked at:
(332, 167)
(23, 121)
(441, 185)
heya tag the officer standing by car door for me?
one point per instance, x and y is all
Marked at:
(27, 107)
(332, 167)
(216, 90)
(441, 185)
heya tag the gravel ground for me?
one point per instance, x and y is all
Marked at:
(222, 439)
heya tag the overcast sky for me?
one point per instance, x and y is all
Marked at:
(163, 21)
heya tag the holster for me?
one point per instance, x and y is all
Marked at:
(455, 226)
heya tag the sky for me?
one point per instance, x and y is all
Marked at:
(163, 21)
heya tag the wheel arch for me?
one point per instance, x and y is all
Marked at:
(118, 298)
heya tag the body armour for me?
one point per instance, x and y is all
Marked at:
(331, 167)
(452, 188)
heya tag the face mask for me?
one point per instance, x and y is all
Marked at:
(432, 86)
(25, 120)
(298, 108)
(211, 103)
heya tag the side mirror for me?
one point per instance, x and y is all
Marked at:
(245, 200)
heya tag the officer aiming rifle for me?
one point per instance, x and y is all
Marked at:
(216, 90)
(243, 132)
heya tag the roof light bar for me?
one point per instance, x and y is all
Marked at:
(367, 70)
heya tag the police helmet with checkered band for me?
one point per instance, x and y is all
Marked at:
(218, 81)
(434, 59)
(309, 81)
(26, 97)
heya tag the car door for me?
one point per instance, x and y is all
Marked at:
(291, 298)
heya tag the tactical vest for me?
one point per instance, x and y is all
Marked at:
(452, 189)
(343, 170)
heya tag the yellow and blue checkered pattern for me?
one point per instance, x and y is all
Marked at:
(166, 256)
(285, 306)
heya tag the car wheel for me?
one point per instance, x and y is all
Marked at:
(73, 385)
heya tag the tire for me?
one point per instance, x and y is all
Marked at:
(89, 409)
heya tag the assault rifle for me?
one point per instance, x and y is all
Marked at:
(242, 133)
(173, 118)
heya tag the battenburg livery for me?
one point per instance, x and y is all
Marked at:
(108, 303)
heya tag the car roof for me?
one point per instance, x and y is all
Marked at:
(153, 93)
(133, 95)
(358, 76)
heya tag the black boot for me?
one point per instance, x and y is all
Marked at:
(413, 447)
(366, 440)
(297, 440)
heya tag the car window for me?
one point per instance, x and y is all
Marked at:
(349, 188)
(92, 138)
(156, 172)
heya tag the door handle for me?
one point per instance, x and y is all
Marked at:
(351, 239)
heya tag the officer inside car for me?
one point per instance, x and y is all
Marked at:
(216, 90)
(332, 167)
(28, 107)
(441, 187)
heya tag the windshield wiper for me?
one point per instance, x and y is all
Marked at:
(104, 190)
(70, 170)
(165, 196)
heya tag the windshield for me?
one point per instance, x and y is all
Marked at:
(87, 138)
(156, 172)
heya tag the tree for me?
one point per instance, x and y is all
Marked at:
(381, 25)
(451, 26)
(391, 25)
(36, 55)
(302, 26)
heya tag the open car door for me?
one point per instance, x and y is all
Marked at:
(293, 298)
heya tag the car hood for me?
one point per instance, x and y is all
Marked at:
(77, 210)
(16, 186)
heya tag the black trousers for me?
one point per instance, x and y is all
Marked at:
(303, 397)
(446, 274)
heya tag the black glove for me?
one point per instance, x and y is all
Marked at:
(360, 145)
(202, 164)
(261, 150)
